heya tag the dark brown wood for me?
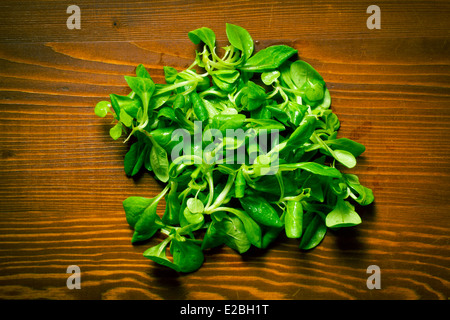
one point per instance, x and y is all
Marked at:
(31, 21)
(62, 179)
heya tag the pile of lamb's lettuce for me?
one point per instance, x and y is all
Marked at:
(289, 186)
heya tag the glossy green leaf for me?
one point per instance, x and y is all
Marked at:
(134, 207)
(265, 124)
(205, 35)
(343, 215)
(239, 185)
(313, 234)
(236, 236)
(125, 118)
(142, 72)
(195, 205)
(348, 145)
(345, 157)
(170, 74)
(252, 96)
(252, 229)
(102, 108)
(313, 167)
(158, 255)
(226, 79)
(315, 90)
(187, 256)
(141, 216)
(361, 194)
(269, 58)
(301, 72)
(302, 133)
(199, 107)
(159, 162)
(194, 218)
(269, 77)
(145, 227)
(130, 105)
(293, 219)
(223, 122)
(261, 211)
(173, 206)
(270, 235)
(213, 236)
(240, 39)
(134, 158)
(140, 160)
(116, 131)
(143, 87)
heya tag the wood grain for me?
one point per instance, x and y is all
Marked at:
(62, 179)
(264, 19)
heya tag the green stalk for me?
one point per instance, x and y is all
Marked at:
(222, 195)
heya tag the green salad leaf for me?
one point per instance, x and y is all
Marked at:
(245, 146)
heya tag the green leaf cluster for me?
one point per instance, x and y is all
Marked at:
(292, 187)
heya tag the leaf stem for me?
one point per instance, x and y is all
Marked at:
(210, 181)
(222, 195)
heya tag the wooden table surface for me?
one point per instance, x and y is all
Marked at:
(62, 179)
